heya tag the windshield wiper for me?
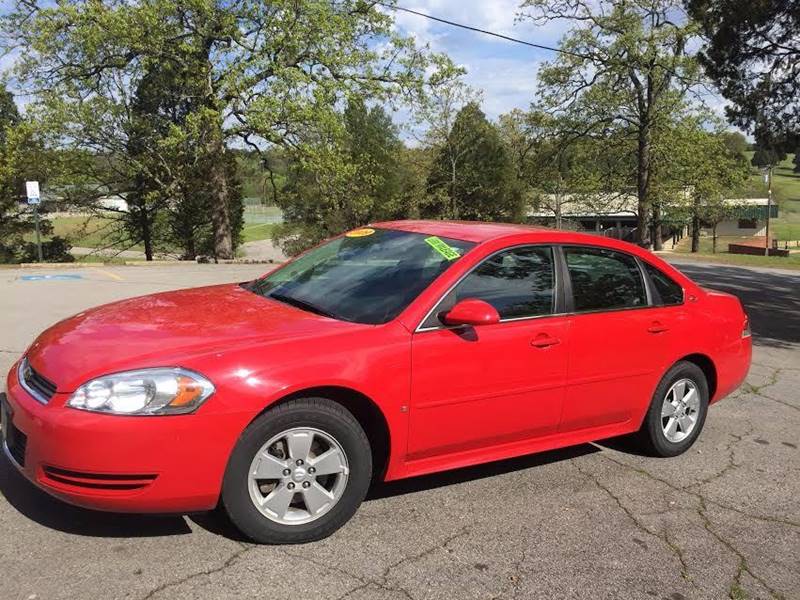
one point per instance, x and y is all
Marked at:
(302, 304)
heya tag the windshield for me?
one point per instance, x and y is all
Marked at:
(366, 276)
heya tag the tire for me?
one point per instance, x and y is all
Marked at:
(283, 433)
(654, 434)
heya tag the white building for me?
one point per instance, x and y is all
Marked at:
(615, 215)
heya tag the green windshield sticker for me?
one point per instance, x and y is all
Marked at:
(442, 248)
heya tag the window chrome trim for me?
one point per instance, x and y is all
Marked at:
(556, 287)
(558, 254)
(23, 384)
(650, 292)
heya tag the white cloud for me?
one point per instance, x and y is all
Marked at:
(506, 83)
(505, 72)
(498, 16)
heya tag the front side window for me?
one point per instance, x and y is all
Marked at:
(604, 279)
(367, 276)
(670, 292)
(518, 283)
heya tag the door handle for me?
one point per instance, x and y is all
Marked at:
(544, 341)
(657, 327)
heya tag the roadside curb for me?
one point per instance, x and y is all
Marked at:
(134, 263)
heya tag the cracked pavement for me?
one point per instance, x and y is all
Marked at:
(592, 521)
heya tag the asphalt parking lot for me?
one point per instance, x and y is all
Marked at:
(594, 521)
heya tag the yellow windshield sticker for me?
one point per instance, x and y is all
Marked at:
(363, 232)
(442, 248)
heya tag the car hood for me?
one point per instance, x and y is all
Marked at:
(160, 329)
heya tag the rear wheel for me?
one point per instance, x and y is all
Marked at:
(298, 472)
(677, 412)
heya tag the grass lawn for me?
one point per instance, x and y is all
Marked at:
(106, 260)
(773, 262)
(85, 231)
(706, 253)
(97, 232)
(257, 231)
(786, 192)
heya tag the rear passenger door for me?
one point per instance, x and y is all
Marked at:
(620, 339)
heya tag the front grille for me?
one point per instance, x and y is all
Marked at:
(16, 441)
(98, 481)
(36, 384)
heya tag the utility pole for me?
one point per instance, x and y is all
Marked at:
(769, 207)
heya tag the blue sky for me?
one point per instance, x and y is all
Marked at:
(504, 71)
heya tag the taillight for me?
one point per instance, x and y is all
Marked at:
(746, 327)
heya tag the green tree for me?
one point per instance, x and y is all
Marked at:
(699, 176)
(348, 181)
(178, 213)
(797, 160)
(21, 159)
(559, 171)
(270, 74)
(735, 142)
(752, 53)
(765, 158)
(12, 223)
(473, 175)
(626, 68)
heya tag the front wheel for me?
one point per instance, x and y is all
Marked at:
(677, 412)
(298, 472)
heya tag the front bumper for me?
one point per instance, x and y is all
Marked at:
(118, 463)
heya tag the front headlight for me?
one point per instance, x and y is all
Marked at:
(161, 391)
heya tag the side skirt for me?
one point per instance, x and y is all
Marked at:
(477, 456)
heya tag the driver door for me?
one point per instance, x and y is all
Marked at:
(474, 387)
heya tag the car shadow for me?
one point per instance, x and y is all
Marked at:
(45, 510)
(482, 471)
(626, 444)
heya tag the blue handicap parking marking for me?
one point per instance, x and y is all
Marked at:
(50, 277)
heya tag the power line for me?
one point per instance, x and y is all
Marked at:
(478, 30)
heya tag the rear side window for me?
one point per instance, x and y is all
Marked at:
(604, 279)
(670, 292)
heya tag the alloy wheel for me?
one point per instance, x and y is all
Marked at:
(680, 410)
(298, 476)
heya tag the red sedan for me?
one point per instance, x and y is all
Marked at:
(391, 351)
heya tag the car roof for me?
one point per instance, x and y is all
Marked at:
(468, 231)
(479, 232)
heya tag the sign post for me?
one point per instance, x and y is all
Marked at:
(34, 199)
(768, 177)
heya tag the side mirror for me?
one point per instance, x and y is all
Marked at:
(471, 311)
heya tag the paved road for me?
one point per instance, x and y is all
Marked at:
(595, 521)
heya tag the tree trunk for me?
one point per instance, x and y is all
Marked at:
(714, 238)
(218, 181)
(147, 239)
(217, 175)
(453, 180)
(657, 230)
(144, 225)
(695, 233)
(643, 186)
